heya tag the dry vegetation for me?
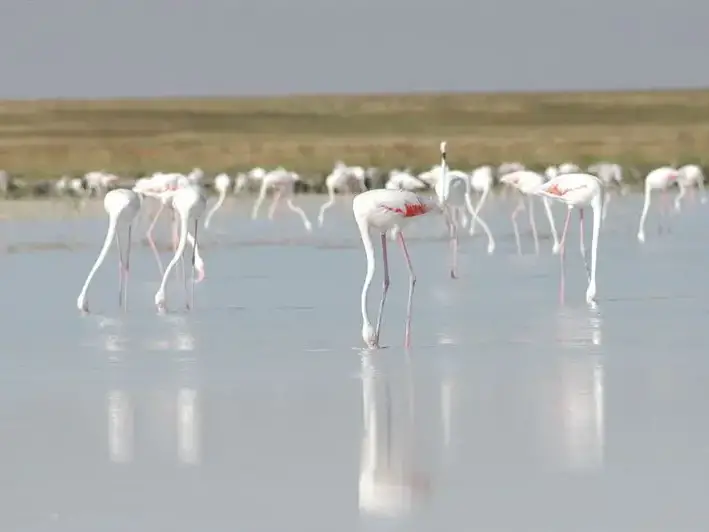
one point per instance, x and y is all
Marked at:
(308, 133)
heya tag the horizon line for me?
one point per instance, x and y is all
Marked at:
(382, 94)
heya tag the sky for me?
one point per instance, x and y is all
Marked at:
(133, 48)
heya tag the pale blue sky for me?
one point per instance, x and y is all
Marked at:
(105, 48)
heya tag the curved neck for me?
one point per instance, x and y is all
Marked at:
(110, 234)
(369, 252)
(184, 220)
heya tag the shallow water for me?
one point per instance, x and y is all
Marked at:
(510, 412)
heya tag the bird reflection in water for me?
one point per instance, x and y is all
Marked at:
(389, 485)
(176, 403)
(581, 390)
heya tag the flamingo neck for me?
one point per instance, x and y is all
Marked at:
(369, 253)
(110, 234)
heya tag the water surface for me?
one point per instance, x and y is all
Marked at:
(259, 410)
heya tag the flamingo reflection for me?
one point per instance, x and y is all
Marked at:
(388, 481)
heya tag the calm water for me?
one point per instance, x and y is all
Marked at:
(259, 412)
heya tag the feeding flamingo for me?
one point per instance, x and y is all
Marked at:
(379, 211)
(283, 184)
(162, 188)
(481, 180)
(122, 206)
(342, 179)
(527, 182)
(221, 184)
(189, 204)
(659, 179)
(690, 176)
(578, 191)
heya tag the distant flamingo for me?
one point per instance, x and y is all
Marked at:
(381, 210)
(454, 195)
(221, 184)
(526, 182)
(481, 180)
(578, 190)
(283, 183)
(190, 204)
(689, 177)
(122, 206)
(342, 179)
(659, 179)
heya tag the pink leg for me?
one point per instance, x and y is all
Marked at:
(453, 236)
(385, 287)
(562, 254)
(412, 284)
(515, 212)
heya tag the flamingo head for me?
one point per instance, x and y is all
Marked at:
(369, 335)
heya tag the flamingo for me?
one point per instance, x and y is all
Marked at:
(526, 182)
(283, 183)
(190, 204)
(578, 190)
(381, 210)
(221, 183)
(162, 187)
(481, 180)
(659, 179)
(342, 179)
(690, 176)
(122, 206)
(453, 195)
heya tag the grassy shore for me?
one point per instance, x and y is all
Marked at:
(43, 139)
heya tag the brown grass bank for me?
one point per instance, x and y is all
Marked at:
(41, 139)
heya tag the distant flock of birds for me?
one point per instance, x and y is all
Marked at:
(384, 211)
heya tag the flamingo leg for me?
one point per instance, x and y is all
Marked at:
(452, 240)
(515, 212)
(127, 267)
(582, 245)
(412, 284)
(190, 304)
(121, 269)
(562, 256)
(175, 238)
(535, 235)
(272, 209)
(385, 287)
(151, 241)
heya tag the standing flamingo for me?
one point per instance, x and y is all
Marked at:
(122, 207)
(283, 183)
(526, 182)
(454, 194)
(382, 210)
(578, 190)
(221, 184)
(659, 179)
(190, 204)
